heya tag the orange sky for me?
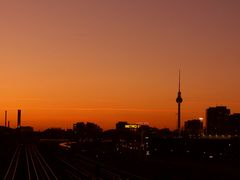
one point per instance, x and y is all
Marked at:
(105, 61)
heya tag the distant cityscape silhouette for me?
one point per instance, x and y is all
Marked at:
(88, 152)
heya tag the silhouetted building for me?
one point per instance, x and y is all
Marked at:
(193, 127)
(132, 127)
(165, 133)
(79, 128)
(217, 118)
(19, 118)
(121, 125)
(26, 129)
(5, 131)
(54, 133)
(233, 124)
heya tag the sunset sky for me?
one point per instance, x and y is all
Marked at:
(109, 60)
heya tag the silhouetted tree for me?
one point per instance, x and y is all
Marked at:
(87, 131)
(54, 133)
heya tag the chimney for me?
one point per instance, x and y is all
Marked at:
(19, 119)
(5, 118)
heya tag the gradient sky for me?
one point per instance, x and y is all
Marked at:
(104, 61)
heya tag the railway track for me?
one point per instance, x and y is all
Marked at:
(28, 163)
(82, 168)
(12, 169)
(74, 173)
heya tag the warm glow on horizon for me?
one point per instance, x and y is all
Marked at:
(110, 61)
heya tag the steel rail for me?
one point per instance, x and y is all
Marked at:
(33, 163)
(41, 164)
(13, 164)
(46, 164)
(28, 166)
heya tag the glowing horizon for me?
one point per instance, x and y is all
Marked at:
(109, 61)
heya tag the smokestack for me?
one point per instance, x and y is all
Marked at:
(8, 124)
(5, 118)
(19, 119)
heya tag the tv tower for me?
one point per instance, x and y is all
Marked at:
(179, 100)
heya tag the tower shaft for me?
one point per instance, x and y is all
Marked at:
(179, 117)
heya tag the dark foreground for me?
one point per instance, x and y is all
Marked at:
(37, 159)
